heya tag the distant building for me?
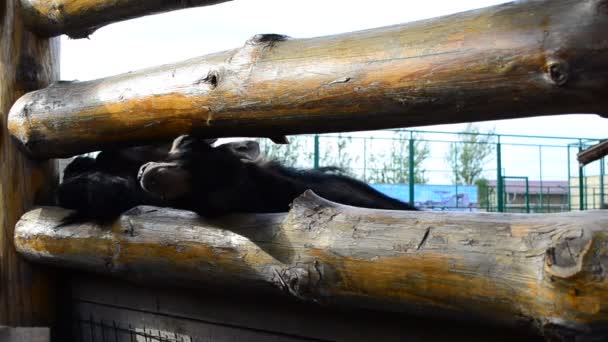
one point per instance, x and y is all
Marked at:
(592, 192)
(545, 196)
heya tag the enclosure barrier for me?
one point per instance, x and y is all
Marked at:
(26, 63)
(78, 19)
(519, 59)
(546, 269)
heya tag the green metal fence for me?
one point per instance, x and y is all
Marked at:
(527, 174)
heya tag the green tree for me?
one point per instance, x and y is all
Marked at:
(483, 192)
(394, 167)
(469, 154)
(335, 152)
(295, 153)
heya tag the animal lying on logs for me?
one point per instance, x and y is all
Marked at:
(198, 177)
(100, 189)
(192, 174)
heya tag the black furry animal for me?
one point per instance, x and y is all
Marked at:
(211, 181)
(100, 189)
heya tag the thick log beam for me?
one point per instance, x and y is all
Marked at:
(519, 59)
(545, 269)
(78, 18)
(27, 293)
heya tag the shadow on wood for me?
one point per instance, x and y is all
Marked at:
(240, 316)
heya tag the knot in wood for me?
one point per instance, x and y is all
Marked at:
(57, 13)
(566, 258)
(267, 38)
(294, 280)
(212, 79)
(558, 72)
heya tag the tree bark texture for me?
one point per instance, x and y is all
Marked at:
(26, 63)
(546, 269)
(80, 18)
(520, 59)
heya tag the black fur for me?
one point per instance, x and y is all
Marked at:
(217, 181)
(100, 189)
(222, 183)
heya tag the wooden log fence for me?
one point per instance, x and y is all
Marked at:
(548, 270)
(78, 18)
(520, 59)
(27, 293)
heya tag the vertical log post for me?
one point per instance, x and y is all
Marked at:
(26, 63)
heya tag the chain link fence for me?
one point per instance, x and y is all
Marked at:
(459, 171)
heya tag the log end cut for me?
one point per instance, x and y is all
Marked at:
(23, 127)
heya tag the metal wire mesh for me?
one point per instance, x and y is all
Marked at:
(92, 330)
(526, 174)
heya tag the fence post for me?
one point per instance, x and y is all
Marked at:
(499, 185)
(456, 171)
(527, 196)
(411, 169)
(569, 179)
(581, 187)
(27, 62)
(602, 171)
(586, 187)
(365, 160)
(540, 168)
(316, 152)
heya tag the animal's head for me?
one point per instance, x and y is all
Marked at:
(193, 164)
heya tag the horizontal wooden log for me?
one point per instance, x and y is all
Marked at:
(593, 153)
(519, 59)
(80, 18)
(545, 269)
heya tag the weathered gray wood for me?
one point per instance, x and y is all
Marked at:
(20, 334)
(80, 18)
(520, 59)
(549, 269)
